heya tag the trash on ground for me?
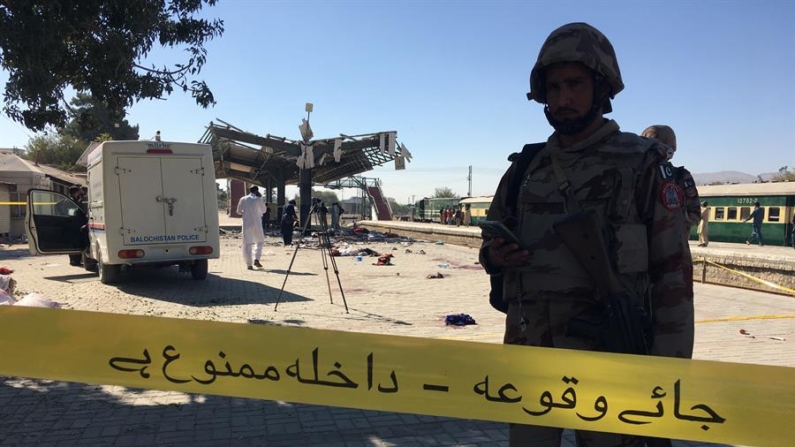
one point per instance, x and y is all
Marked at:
(36, 300)
(459, 320)
(435, 276)
(384, 260)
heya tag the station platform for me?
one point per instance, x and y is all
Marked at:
(773, 267)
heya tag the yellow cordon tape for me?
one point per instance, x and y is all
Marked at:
(662, 397)
(747, 276)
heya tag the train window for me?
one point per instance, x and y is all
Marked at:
(773, 214)
(719, 213)
(745, 212)
(731, 213)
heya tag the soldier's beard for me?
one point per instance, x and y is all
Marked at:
(575, 126)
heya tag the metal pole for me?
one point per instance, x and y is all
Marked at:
(469, 177)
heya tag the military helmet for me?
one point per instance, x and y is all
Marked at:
(662, 133)
(577, 42)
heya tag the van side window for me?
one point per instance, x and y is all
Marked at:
(732, 213)
(719, 213)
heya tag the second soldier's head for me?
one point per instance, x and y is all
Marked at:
(575, 77)
(665, 135)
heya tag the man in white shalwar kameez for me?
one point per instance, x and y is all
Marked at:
(252, 208)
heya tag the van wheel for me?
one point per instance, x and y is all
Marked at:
(89, 264)
(108, 274)
(199, 269)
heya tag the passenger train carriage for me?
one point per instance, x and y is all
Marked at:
(427, 209)
(478, 207)
(730, 205)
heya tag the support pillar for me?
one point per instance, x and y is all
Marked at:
(280, 187)
(236, 190)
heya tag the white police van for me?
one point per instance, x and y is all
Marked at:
(149, 203)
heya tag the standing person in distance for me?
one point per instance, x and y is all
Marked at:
(792, 236)
(251, 207)
(628, 183)
(289, 217)
(336, 214)
(758, 215)
(79, 220)
(266, 218)
(323, 213)
(703, 226)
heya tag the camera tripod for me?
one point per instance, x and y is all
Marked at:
(325, 251)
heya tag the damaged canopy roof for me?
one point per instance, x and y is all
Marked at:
(257, 159)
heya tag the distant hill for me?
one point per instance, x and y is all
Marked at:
(726, 177)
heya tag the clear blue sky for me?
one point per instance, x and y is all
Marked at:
(451, 77)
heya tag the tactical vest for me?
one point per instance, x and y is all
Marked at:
(604, 178)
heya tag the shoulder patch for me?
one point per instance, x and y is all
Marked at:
(666, 171)
(671, 196)
(688, 184)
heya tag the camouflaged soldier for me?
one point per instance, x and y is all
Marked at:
(692, 206)
(627, 181)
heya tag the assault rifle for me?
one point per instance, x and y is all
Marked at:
(622, 329)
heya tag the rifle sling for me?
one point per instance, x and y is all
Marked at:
(572, 206)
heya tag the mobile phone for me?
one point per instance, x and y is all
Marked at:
(493, 229)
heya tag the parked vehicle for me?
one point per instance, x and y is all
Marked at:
(149, 203)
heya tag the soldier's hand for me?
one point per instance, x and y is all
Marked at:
(504, 255)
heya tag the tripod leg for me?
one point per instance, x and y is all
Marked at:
(339, 283)
(326, 243)
(323, 250)
(287, 275)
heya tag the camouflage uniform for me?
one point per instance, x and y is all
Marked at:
(692, 206)
(629, 183)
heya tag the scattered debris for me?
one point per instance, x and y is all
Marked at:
(435, 276)
(384, 260)
(746, 333)
(459, 320)
(778, 338)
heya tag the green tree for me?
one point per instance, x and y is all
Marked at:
(98, 47)
(784, 175)
(90, 119)
(61, 151)
(221, 195)
(397, 208)
(444, 192)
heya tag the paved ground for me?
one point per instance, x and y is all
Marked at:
(47, 413)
